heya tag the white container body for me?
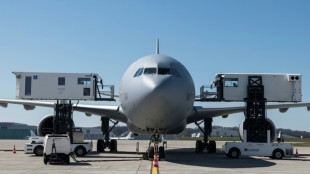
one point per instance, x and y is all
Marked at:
(55, 86)
(62, 144)
(277, 87)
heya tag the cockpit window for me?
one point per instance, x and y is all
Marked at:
(136, 74)
(139, 72)
(164, 71)
(150, 71)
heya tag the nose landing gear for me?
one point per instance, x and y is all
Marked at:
(156, 149)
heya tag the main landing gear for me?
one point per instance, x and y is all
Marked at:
(107, 143)
(205, 143)
(159, 150)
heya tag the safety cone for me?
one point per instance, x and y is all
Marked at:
(155, 161)
(14, 150)
(155, 169)
(296, 155)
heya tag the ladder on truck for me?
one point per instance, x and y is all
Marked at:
(255, 117)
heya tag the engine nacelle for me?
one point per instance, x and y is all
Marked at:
(269, 122)
(46, 125)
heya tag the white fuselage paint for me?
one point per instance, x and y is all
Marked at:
(157, 102)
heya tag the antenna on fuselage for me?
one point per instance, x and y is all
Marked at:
(157, 46)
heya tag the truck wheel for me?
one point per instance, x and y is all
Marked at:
(212, 147)
(68, 160)
(277, 154)
(45, 160)
(199, 146)
(38, 151)
(80, 151)
(113, 146)
(100, 144)
(234, 153)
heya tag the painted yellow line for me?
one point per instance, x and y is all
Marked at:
(155, 170)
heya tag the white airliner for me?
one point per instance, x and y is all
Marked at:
(125, 136)
(157, 95)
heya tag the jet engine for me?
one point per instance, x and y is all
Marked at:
(270, 124)
(46, 125)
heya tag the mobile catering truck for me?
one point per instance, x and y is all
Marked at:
(257, 132)
(56, 148)
(35, 145)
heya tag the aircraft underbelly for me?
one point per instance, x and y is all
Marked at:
(163, 119)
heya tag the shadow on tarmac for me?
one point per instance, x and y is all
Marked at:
(187, 156)
(11, 150)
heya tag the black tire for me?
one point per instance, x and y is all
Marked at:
(150, 152)
(80, 151)
(100, 145)
(277, 154)
(234, 153)
(199, 146)
(212, 147)
(45, 160)
(67, 159)
(38, 151)
(162, 154)
(113, 146)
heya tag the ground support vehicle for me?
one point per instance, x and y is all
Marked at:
(57, 148)
(272, 150)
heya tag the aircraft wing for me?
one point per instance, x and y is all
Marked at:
(112, 112)
(199, 113)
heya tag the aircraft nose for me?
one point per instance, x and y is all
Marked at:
(153, 82)
(160, 96)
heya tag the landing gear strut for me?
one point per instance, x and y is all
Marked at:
(205, 144)
(107, 143)
(160, 151)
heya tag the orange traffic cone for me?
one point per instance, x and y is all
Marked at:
(155, 161)
(154, 169)
(14, 150)
(296, 155)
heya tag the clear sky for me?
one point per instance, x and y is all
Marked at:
(105, 37)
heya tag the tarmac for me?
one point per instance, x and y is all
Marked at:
(180, 158)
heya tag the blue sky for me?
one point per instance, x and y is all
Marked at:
(105, 37)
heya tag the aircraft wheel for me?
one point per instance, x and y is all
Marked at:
(199, 146)
(100, 145)
(212, 147)
(150, 152)
(162, 154)
(113, 146)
